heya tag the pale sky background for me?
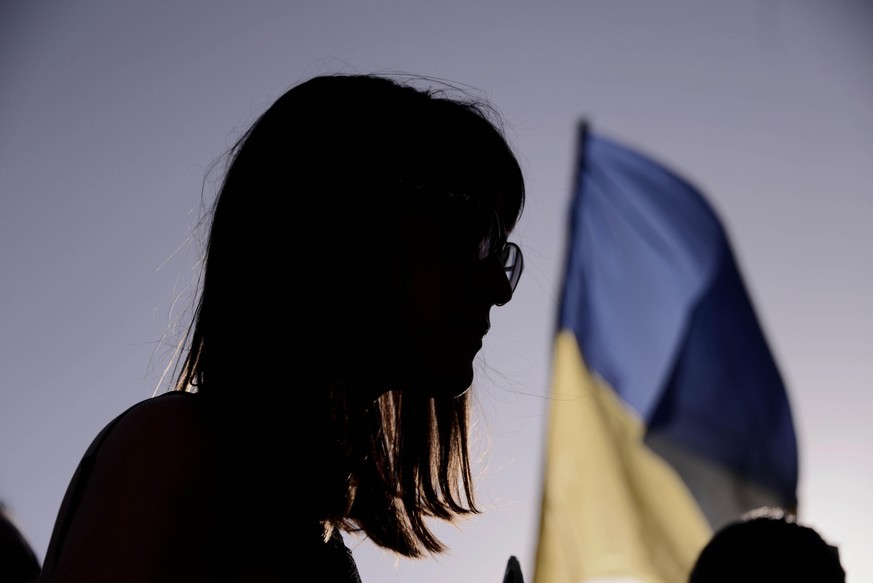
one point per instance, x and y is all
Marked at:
(111, 112)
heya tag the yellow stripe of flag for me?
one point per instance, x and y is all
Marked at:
(611, 507)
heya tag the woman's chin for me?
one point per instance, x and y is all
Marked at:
(445, 383)
(454, 385)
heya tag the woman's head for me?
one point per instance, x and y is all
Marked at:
(356, 247)
(342, 223)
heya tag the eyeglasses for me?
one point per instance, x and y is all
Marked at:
(480, 225)
(513, 263)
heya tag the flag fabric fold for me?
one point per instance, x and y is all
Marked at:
(668, 414)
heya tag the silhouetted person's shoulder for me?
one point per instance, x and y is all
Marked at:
(18, 563)
(149, 478)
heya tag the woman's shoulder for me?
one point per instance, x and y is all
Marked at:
(163, 444)
(167, 437)
(153, 466)
(172, 411)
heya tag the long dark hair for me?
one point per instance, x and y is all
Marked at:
(296, 296)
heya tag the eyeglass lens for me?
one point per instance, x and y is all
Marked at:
(513, 263)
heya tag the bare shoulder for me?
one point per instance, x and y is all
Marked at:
(159, 450)
(164, 429)
(147, 495)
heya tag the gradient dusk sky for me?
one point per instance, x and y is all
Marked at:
(112, 112)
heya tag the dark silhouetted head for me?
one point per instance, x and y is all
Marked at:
(341, 229)
(767, 546)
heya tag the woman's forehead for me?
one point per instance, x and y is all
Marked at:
(490, 178)
(489, 198)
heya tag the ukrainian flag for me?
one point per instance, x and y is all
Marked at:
(669, 416)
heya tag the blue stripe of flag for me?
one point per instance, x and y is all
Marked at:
(654, 296)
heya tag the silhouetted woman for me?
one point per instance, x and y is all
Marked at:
(356, 248)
